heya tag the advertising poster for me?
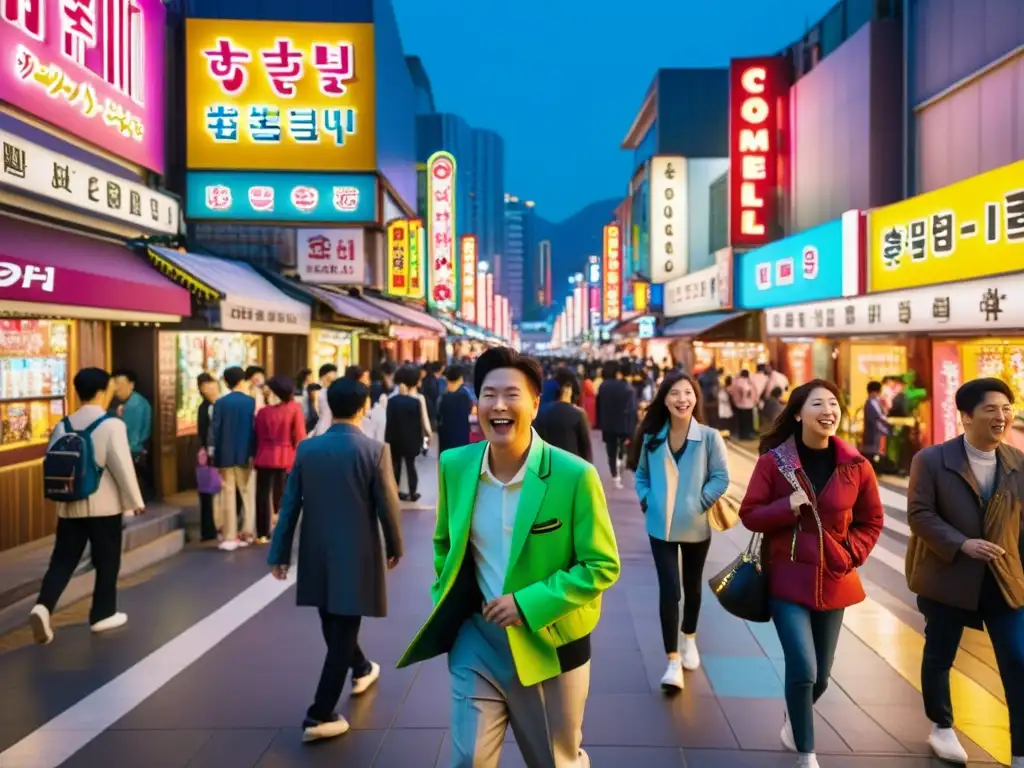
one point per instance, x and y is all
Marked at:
(947, 376)
(799, 363)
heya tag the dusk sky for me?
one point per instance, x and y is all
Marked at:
(561, 80)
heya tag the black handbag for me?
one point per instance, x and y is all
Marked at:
(742, 586)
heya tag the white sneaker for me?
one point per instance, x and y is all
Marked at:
(39, 620)
(806, 761)
(228, 545)
(361, 684)
(672, 680)
(946, 745)
(314, 731)
(691, 657)
(788, 740)
(617, 483)
(111, 622)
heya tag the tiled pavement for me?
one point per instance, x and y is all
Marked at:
(240, 703)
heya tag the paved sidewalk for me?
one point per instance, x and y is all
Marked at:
(240, 703)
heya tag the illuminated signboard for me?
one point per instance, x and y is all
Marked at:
(94, 69)
(273, 95)
(492, 324)
(398, 258)
(417, 281)
(757, 92)
(440, 228)
(612, 272)
(468, 296)
(330, 256)
(670, 231)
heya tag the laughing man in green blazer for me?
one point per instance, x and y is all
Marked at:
(523, 549)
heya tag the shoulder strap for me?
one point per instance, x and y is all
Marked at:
(66, 423)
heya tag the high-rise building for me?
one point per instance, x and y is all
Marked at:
(450, 133)
(542, 284)
(519, 260)
(487, 218)
(421, 82)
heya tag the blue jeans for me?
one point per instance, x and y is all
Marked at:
(809, 640)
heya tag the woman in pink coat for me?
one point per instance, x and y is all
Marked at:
(279, 428)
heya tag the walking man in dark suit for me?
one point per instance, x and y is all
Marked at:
(343, 485)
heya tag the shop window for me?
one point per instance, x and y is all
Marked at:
(208, 353)
(33, 379)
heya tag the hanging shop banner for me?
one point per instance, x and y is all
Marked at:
(330, 198)
(612, 273)
(947, 376)
(969, 229)
(468, 293)
(280, 95)
(35, 170)
(398, 258)
(821, 263)
(417, 280)
(670, 233)
(442, 258)
(706, 290)
(492, 325)
(94, 69)
(757, 122)
(989, 304)
(330, 256)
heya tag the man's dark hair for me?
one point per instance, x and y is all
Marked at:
(128, 373)
(325, 369)
(302, 375)
(204, 378)
(89, 382)
(506, 357)
(776, 392)
(283, 387)
(874, 387)
(972, 393)
(609, 369)
(354, 372)
(454, 373)
(409, 375)
(234, 376)
(253, 370)
(565, 378)
(346, 397)
(388, 368)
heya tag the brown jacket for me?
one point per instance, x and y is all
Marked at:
(944, 510)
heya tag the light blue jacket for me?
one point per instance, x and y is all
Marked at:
(675, 497)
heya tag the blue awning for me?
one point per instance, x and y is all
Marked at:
(695, 325)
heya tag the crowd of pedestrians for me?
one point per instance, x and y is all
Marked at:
(525, 545)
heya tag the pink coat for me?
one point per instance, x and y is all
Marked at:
(279, 429)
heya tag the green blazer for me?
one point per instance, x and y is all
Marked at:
(563, 556)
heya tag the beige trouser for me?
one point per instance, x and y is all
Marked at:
(238, 481)
(487, 697)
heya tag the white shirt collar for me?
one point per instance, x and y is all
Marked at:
(485, 465)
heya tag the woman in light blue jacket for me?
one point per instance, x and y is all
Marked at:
(681, 471)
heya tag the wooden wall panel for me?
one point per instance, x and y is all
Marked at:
(26, 515)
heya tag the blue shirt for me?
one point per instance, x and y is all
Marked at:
(137, 415)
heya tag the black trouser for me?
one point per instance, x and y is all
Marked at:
(745, 423)
(410, 465)
(666, 563)
(207, 522)
(942, 634)
(341, 633)
(711, 412)
(615, 447)
(103, 535)
(269, 490)
(143, 475)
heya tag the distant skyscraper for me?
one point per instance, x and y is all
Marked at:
(519, 260)
(542, 283)
(487, 219)
(420, 80)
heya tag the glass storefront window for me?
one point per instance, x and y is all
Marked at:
(33, 379)
(330, 347)
(208, 353)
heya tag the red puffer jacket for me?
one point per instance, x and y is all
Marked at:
(813, 568)
(279, 430)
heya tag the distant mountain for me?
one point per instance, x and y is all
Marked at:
(573, 240)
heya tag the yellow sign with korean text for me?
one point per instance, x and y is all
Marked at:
(970, 229)
(398, 258)
(270, 95)
(417, 279)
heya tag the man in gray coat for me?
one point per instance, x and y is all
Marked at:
(343, 486)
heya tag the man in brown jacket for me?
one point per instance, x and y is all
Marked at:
(964, 557)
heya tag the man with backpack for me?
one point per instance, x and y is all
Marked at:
(89, 473)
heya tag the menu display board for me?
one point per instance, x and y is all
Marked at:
(33, 378)
(208, 353)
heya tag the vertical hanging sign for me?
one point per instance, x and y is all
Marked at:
(612, 264)
(398, 258)
(468, 294)
(670, 229)
(417, 281)
(489, 306)
(442, 259)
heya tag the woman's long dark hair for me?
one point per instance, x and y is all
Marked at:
(786, 425)
(657, 415)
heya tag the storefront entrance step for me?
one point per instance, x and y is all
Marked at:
(22, 568)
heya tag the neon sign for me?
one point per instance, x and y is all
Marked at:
(612, 263)
(469, 278)
(756, 122)
(440, 228)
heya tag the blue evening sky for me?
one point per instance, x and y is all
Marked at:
(561, 80)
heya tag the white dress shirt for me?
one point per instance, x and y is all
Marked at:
(494, 515)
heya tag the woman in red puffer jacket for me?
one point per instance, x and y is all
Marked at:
(815, 500)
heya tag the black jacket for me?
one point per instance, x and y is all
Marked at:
(616, 408)
(453, 412)
(565, 426)
(404, 429)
